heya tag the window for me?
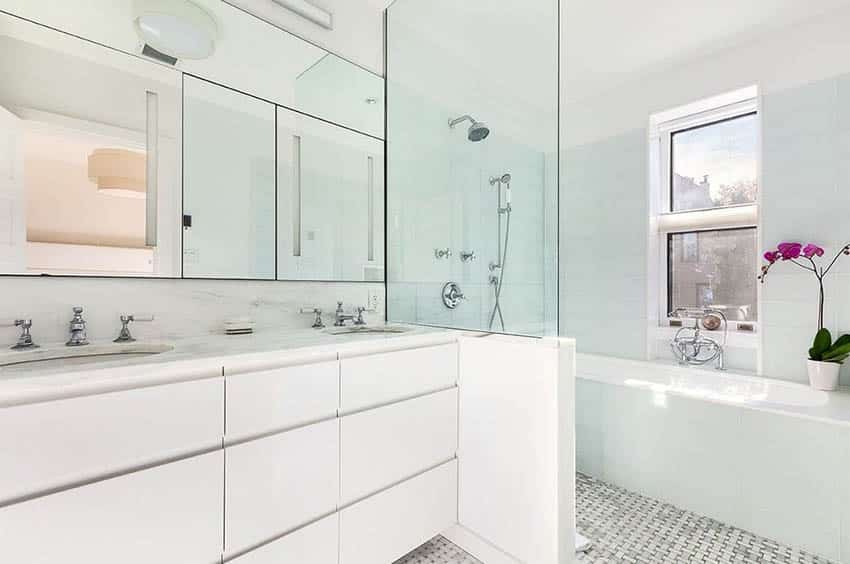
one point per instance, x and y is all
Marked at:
(714, 165)
(705, 192)
(713, 268)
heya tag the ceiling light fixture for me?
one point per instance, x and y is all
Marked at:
(118, 172)
(177, 28)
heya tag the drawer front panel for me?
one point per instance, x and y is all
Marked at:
(385, 527)
(317, 543)
(278, 483)
(369, 381)
(383, 446)
(274, 400)
(170, 513)
(50, 445)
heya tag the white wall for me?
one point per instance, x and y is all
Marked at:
(182, 308)
(801, 73)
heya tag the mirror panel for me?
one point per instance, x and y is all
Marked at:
(106, 152)
(330, 201)
(250, 55)
(228, 183)
(76, 123)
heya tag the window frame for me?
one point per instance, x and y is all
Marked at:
(664, 222)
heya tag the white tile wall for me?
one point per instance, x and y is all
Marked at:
(805, 197)
(603, 253)
(182, 308)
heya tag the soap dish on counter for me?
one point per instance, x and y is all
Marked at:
(238, 327)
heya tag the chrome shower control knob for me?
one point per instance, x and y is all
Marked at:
(467, 256)
(442, 253)
(452, 295)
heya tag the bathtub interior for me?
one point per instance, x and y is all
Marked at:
(778, 475)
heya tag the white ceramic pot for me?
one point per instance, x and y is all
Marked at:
(824, 375)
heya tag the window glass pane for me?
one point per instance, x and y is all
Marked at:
(714, 268)
(715, 165)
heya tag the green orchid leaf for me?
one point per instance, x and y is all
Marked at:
(837, 351)
(839, 360)
(823, 340)
(842, 340)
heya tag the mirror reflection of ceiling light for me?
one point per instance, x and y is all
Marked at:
(308, 11)
(118, 172)
(178, 28)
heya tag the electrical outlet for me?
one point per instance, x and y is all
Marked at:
(374, 298)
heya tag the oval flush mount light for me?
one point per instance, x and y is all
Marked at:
(118, 172)
(178, 28)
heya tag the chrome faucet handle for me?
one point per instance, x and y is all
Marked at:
(467, 256)
(25, 338)
(442, 253)
(124, 335)
(318, 323)
(359, 315)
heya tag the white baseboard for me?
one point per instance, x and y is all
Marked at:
(478, 547)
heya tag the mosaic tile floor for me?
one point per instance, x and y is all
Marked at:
(626, 527)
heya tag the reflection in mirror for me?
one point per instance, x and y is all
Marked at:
(330, 201)
(248, 54)
(228, 183)
(91, 153)
(85, 135)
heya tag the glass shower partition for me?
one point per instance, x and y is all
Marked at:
(472, 173)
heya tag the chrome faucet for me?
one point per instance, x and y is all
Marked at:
(691, 347)
(341, 317)
(124, 335)
(77, 327)
(25, 339)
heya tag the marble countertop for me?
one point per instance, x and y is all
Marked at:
(198, 358)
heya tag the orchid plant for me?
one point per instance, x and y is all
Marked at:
(806, 257)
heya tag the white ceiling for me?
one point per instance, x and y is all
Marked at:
(608, 42)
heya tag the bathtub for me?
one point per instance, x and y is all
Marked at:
(768, 456)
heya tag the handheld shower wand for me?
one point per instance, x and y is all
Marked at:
(497, 280)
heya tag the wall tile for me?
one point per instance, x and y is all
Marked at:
(789, 468)
(182, 308)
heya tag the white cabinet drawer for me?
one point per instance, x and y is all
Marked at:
(385, 527)
(274, 400)
(383, 446)
(317, 543)
(368, 381)
(49, 445)
(278, 483)
(170, 513)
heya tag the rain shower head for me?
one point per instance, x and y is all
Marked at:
(478, 131)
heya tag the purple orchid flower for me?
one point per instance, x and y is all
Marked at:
(803, 257)
(790, 251)
(812, 250)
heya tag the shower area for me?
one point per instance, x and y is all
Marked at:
(472, 212)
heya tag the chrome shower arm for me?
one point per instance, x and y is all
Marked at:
(461, 119)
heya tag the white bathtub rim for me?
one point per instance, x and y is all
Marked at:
(655, 376)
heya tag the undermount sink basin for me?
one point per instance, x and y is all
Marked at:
(361, 329)
(60, 356)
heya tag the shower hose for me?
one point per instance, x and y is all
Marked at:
(497, 307)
